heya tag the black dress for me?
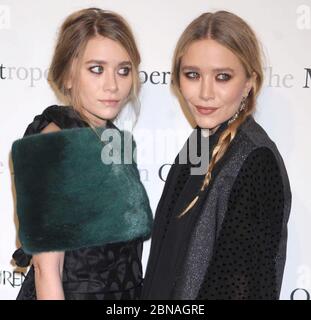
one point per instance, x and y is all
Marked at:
(108, 272)
(245, 251)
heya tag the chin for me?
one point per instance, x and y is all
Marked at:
(206, 123)
(108, 115)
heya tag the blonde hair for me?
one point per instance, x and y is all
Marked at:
(236, 35)
(75, 32)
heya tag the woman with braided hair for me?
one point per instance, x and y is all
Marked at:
(221, 234)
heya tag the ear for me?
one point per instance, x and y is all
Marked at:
(68, 83)
(250, 83)
(69, 80)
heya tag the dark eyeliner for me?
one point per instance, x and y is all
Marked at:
(91, 69)
(227, 77)
(188, 75)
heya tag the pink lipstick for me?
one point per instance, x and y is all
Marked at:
(205, 110)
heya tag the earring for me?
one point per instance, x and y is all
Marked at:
(241, 108)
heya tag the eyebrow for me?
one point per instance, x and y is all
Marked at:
(214, 70)
(123, 63)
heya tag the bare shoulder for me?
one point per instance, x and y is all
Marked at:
(51, 127)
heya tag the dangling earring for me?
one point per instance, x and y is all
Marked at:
(241, 108)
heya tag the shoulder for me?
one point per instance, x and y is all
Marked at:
(51, 127)
(64, 117)
(261, 163)
(260, 157)
(254, 135)
(259, 181)
(253, 148)
(258, 187)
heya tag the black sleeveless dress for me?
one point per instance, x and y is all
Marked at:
(108, 272)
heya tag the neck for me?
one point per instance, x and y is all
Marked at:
(209, 132)
(213, 130)
(94, 119)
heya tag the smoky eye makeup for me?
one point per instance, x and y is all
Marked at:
(96, 69)
(223, 76)
(220, 74)
(125, 70)
(192, 75)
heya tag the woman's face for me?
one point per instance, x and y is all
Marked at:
(104, 79)
(213, 82)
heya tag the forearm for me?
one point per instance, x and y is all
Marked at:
(48, 285)
(48, 269)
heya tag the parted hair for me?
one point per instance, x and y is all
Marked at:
(236, 35)
(75, 32)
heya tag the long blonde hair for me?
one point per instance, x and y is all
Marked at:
(75, 32)
(236, 35)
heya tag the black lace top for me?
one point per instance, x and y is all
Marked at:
(109, 272)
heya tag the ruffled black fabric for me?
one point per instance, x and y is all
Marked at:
(63, 117)
(108, 272)
(21, 259)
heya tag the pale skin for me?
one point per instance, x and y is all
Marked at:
(213, 82)
(105, 81)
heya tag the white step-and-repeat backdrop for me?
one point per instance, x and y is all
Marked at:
(27, 37)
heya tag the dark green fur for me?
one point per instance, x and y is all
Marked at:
(67, 198)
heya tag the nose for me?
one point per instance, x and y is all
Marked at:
(207, 88)
(110, 81)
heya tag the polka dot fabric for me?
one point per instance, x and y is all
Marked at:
(244, 258)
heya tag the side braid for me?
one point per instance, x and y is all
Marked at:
(219, 150)
(232, 32)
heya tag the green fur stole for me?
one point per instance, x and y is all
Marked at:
(68, 198)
